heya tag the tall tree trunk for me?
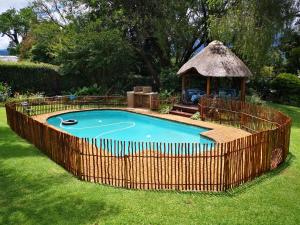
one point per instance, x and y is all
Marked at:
(151, 70)
(15, 38)
(164, 57)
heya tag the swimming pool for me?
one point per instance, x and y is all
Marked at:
(127, 126)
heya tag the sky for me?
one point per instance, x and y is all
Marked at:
(5, 5)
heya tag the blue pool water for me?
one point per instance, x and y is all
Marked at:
(126, 126)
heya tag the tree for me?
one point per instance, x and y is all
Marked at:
(290, 48)
(167, 33)
(251, 28)
(104, 57)
(46, 37)
(16, 24)
(164, 34)
(60, 12)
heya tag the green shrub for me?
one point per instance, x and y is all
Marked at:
(31, 77)
(5, 92)
(165, 94)
(286, 83)
(25, 96)
(287, 88)
(92, 90)
(165, 108)
(255, 99)
(196, 116)
(170, 80)
(294, 99)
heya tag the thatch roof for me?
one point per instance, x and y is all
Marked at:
(216, 60)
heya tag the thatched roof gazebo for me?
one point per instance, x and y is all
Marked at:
(216, 61)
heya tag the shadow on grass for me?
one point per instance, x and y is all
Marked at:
(7, 135)
(45, 200)
(292, 111)
(12, 146)
(35, 191)
(237, 190)
(263, 178)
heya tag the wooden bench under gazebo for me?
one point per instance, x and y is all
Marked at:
(215, 71)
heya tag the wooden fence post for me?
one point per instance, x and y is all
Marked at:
(226, 185)
(201, 110)
(126, 170)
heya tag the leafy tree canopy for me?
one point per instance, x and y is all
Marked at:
(16, 24)
(290, 48)
(252, 27)
(90, 37)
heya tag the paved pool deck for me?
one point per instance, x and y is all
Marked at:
(219, 133)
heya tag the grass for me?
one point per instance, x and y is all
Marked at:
(34, 190)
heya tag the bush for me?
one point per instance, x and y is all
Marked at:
(20, 97)
(196, 116)
(165, 94)
(31, 77)
(255, 99)
(169, 80)
(92, 90)
(286, 83)
(165, 108)
(5, 92)
(261, 85)
(287, 88)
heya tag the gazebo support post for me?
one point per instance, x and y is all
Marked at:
(183, 86)
(208, 86)
(216, 86)
(243, 89)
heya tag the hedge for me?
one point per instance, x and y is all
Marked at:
(31, 77)
(287, 88)
(286, 83)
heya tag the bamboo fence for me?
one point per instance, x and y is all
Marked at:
(143, 165)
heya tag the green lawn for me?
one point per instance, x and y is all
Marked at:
(34, 190)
